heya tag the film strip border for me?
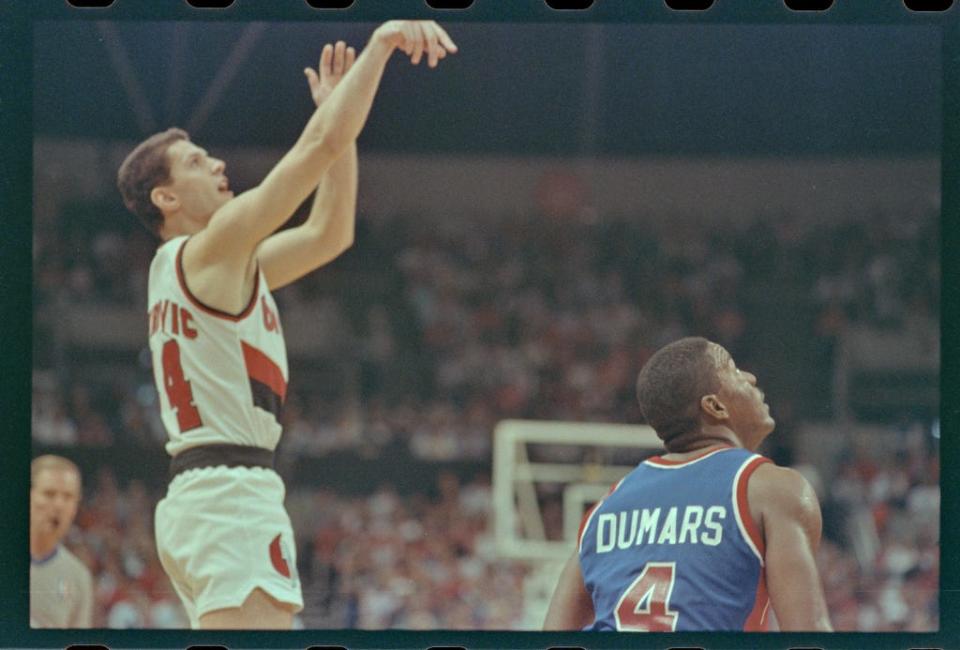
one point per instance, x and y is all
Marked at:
(447, 647)
(560, 5)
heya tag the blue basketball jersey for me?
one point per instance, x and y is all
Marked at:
(673, 547)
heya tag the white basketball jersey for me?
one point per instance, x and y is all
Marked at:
(221, 378)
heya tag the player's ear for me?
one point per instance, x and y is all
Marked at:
(713, 407)
(164, 199)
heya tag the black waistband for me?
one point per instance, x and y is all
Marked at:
(220, 455)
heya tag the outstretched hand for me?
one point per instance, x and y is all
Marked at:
(415, 37)
(335, 61)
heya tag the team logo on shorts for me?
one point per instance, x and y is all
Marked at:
(279, 556)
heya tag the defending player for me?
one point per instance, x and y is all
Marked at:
(708, 535)
(219, 358)
(61, 587)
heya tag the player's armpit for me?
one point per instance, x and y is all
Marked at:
(790, 518)
(571, 607)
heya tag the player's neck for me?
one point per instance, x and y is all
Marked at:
(701, 441)
(179, 224)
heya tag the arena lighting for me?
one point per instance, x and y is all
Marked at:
(120, 60)
(231, 65)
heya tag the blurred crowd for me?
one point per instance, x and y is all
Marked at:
(456, 327)
(421, 562)
(880, 560)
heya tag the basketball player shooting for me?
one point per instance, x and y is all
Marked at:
(219, 358)
(707, 536)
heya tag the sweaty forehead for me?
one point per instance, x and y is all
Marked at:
(181, 150)
(721, 357)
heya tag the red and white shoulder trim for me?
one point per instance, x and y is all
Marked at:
(182, 278)
(662, 463)
(741, 507)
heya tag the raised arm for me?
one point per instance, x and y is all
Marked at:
(787, 510)
(290, 254)
(329, 228)
(227, 244)
(570, 607)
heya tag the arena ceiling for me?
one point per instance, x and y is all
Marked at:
(513, 89)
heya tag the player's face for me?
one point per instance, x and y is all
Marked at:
(749, 413)
(54, 498)
(197, 179)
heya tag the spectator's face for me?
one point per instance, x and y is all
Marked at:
(54, 498)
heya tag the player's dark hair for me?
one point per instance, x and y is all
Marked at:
(671, 384)
(146, 167)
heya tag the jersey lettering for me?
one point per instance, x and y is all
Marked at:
(269, 318)
(627, 528)
(689, 525)
(668, 534)
(648, 525)
(179, 323)
(626, 535)
(714, 513)
(606, 531)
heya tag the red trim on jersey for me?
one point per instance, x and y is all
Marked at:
(744, 507)
(758, 620)
(589, 513)
(206, 308)
(262, 368)
(657, 460)
(583, 522)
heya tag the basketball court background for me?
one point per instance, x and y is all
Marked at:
(536, 217)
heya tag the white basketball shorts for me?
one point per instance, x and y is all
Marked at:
(223, 531)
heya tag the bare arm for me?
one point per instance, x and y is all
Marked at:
(329, 229)
(225, 247)
(571, 607)
(789, 516)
